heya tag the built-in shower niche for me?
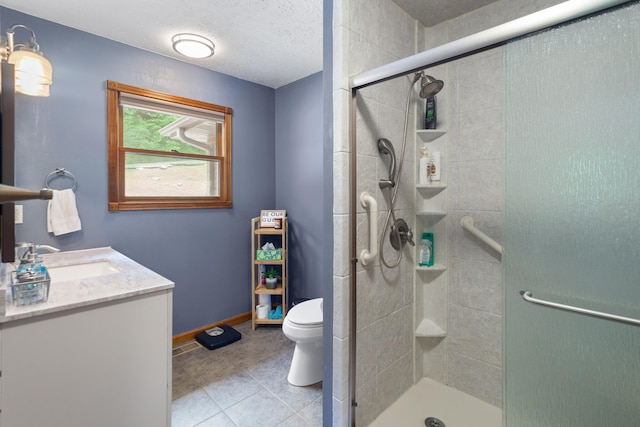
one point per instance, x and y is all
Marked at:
(431, 199)
(434, 140)
(430, 323)
(431, 282)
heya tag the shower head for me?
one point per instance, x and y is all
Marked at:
(430, 86)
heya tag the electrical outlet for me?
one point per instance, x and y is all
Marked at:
(18, 214)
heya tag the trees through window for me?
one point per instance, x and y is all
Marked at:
(166, 152)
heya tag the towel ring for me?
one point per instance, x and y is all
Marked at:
(61, 172)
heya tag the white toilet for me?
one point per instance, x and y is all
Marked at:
(303, 325)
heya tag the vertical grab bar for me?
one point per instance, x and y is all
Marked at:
(370, 204)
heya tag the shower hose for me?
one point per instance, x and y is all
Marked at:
(394, 191)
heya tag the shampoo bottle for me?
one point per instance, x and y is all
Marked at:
(435, 166)
(426, 250)
(424, 168)
(430, 113)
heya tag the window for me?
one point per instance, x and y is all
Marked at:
(166, 152)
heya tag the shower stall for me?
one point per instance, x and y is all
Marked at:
(538, 137)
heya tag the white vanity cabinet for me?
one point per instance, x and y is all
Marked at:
(96, 354)
(100, 366)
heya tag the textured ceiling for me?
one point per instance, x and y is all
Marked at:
(269, 42)
(432, 12)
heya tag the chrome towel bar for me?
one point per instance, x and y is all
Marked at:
(528, 297)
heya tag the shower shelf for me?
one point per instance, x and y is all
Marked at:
(431, 214)
(431, 188)
(428, 135)
(437, 268)
(280, 293)
(428, 329)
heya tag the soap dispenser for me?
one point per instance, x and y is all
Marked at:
(424, 169)
(31, 264)
(31, 279)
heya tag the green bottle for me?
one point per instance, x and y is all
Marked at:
(426, 250)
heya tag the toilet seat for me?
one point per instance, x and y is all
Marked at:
(307, 314)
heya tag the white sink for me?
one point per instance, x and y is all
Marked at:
(82, 271)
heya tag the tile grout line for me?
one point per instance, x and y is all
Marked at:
(270, 353)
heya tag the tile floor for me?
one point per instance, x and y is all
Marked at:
(243, 384)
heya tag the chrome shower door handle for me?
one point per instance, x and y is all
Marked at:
(528, 297)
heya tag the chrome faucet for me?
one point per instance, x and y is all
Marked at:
(28, 252)
(409, 235)
(47, 248)
(401, 234)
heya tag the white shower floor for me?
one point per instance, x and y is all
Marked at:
(431, 399)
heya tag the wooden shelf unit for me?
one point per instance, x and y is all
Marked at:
(259, 236)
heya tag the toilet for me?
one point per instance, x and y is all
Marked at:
(303, 325)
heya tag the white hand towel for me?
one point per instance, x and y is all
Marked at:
(62, 214)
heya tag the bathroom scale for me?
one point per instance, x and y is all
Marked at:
(218, 337)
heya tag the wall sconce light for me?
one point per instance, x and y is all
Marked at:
(33, 72)
(192, 45)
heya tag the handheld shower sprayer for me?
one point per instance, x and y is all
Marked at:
(400, 232)
(386, 147)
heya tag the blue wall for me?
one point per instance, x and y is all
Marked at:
(299, 185)
(206, 252)
(327, 221)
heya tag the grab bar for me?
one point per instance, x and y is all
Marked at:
(467, 223)
(370, 204)
(528, 297)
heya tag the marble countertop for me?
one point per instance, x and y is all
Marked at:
(133, 279)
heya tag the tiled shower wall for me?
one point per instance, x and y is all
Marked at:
(369, 33)
(473, 361)
(474, 342)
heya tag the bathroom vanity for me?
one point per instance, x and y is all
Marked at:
(96, 353)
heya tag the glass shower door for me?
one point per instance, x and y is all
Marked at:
(572, 223)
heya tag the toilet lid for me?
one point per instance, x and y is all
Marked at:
(308, 313)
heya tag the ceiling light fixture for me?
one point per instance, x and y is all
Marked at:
(192, 45)
(33, 72)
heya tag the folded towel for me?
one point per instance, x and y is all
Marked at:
(275, 314)
(62, 214)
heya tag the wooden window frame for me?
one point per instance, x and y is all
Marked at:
(116, 154)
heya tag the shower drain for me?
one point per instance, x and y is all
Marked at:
(433, 422)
